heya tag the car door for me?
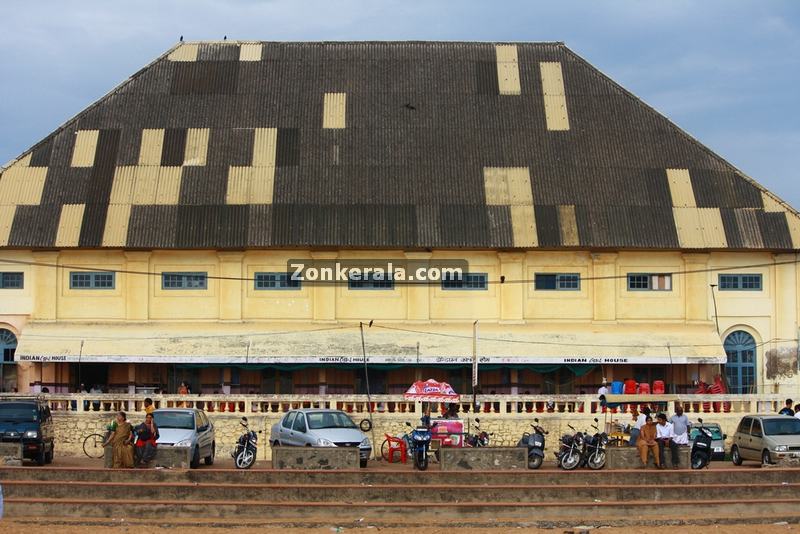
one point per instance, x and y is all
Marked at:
(742, 437)
(206, 435)
(201, 435)
(756, 440)
(300, 430)
(286, 435)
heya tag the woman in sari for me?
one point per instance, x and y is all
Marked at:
(121, 441)
(146, 436)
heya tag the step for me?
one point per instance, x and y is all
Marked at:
(352, 493)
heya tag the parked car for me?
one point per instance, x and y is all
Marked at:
(28, 421)
(766, 438)
(320, 428)
(718, 439)
(187, 427)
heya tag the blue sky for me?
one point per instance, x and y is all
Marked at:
(726, 71)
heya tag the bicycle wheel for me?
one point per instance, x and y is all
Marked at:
(385, 450)
(93, 446)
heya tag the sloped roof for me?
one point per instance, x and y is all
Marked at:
(410, 145)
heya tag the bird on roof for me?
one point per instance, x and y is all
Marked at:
(181, 39)
(411, 107)
(225, 38)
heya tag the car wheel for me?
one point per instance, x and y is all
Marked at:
(363, 462)
(41, 457)
(209, 460)
(766, 459)
(736, 458)
(195, 462)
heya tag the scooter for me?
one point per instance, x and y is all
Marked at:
(701, 447)
(420, 444)
(595, 451)
(244, 454)
(480, 438)
(571, 451)
(535, 444)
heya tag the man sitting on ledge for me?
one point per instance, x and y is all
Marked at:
(647, 442)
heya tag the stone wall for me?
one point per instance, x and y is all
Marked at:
(73, 427)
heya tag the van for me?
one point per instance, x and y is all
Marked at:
(766, 438)
(29, 422)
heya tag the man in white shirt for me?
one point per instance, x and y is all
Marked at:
(680, 426)
(603, 389)
(664, 436)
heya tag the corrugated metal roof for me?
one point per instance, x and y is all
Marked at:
(416, 124)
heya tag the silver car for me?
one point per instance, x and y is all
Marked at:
(717, 439)
(320, 428)
(766, 438)
(187, 427)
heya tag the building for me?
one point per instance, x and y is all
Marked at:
(147, 240)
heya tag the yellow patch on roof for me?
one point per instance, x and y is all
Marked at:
(24, 161)
(168, 191)
(151, 147)
(69, 225)
(250, 185)
(568, 226)
(523, 226)
(145, 185)
(793, 221)
(700, 228)
(680, 187)
(250, 52)
(85, 147)
(22, 185)
(507, 186)
(196, 147)
(507, 69)
(115, 233)
(334, 110)
(555, 99)
(122, 187)
(265, 145)
(6, 220)
(184, 52)
(771, 205)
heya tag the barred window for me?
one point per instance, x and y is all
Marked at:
(740, 282)
(90, 280)
(469, 281)
(275, 281)
(11, 280)
(649, 282)
(371, 280)
(192, 280)
(557, 282)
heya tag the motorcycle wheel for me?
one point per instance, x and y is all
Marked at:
(421, 461)
(597, 460)
(698, 461)
(570, 461)
(245, 459)
(534, 462)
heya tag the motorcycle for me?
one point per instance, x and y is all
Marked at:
(571, 450)
(535, 444)
(480, 438)
(244, 454)
(420, 443)
(701, 447)
(595, 449)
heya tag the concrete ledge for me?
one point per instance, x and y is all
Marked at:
(628, 458)
(483, 458)
(11, 453)
(173, 457)
(315, 458)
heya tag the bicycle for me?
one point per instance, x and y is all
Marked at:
(93, 445)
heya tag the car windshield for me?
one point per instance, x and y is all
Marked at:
(785, 426)
(18, 411)
(182, 420)
(318, 420)
(716, 433)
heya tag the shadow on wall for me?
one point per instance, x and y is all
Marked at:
(781, 363)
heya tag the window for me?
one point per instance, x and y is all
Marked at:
(649, 282)
(184, 280)
(744, 425)
(300, 423)
(86, 280)
(756, 431)
(11, 280)
(740, 282)
(454, 280)
(371, 280)
(275, 281)
(557, 282)
(289, 420)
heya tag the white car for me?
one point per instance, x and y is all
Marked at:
(187, 427)
(320, 428)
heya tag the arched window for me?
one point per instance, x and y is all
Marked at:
(8, 344)
(741, 367)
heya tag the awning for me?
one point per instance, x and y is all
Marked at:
(430, 343)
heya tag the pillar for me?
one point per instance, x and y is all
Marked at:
(323, 381)
(324, 292)
(226, 380)
(137, 286)
(45, 279)
(512, 295)
(418, 303)
(604, 298)
(230, 285)
(131, 378)
(696, 287)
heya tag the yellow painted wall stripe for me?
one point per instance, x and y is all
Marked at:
(169, 185)
(555, 99)
(507, 69)
(334, 110)
(85, 146)
(145, 185)
(680, 187)
(151, 147)
(6, 220)
(264, 147)
(196, 147)
(69, 225)
(185, 52)
(116, 230)
(568, 226)
(250, 52)
(523, 225)
(700, 228)
(507, 186)
(22, 185)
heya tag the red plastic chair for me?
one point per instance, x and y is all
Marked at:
(658, 387)
(396, 445)
(630, 387)
(644, 389)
